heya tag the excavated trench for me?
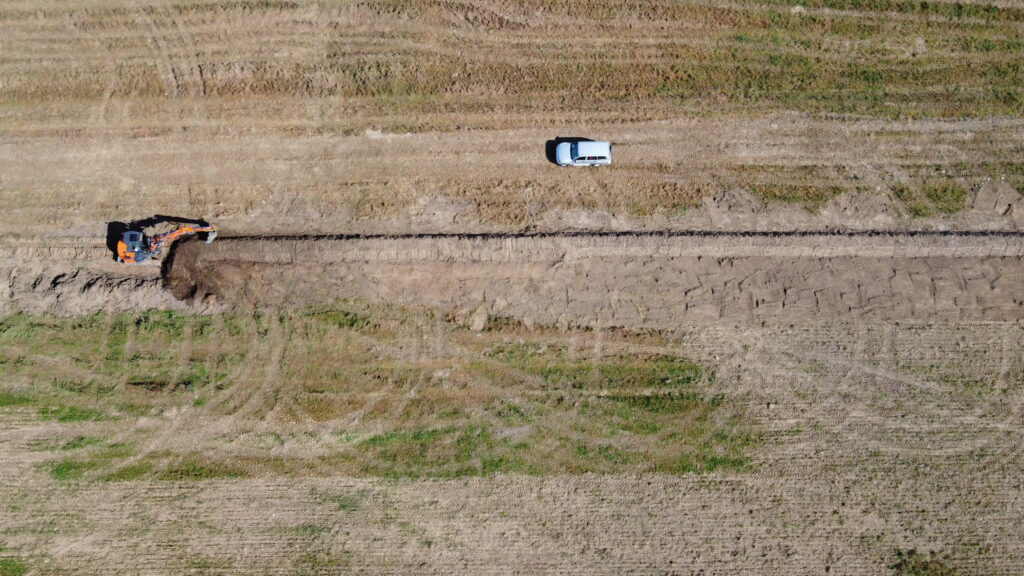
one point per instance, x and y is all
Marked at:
(639, 280)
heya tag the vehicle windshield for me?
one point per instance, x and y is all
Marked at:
(573, 150)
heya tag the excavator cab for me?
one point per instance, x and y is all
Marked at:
(132, 249)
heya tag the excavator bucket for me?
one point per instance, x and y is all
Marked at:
(210, 236)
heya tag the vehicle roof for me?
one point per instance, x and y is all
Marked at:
(594, 149)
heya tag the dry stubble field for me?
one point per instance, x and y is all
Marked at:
(463, 359)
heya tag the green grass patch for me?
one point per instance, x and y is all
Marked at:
(66, 470)
(338, 317)
(448, 452)
(194, 469)
(79, 442)
(626, 371)
(9, 399)
(93, 463)
(662, 403)
(947, 196)
(69, 414)
(495, 406)
(137, 471)
(13, 567)
(810, 197)
(344, 502)
(934, 196)
(136, 361)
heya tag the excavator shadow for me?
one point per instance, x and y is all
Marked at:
(116, 230)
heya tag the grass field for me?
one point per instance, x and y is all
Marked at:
(508, 402)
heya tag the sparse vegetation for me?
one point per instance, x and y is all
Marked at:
(947, 196)
(12, 567)
(810, 197)
(97, 367)
(935, 196)
(912, 563)
(508, 405)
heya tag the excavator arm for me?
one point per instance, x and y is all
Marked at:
(159, 240)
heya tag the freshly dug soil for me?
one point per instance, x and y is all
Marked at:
(623, 279)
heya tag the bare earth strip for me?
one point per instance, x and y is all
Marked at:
(636, 281)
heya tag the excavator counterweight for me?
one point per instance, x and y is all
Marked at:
(135, 247)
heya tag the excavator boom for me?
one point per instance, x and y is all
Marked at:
(161, 239)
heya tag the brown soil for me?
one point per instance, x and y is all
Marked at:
(627, 280)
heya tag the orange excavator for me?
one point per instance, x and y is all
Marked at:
(135, 247)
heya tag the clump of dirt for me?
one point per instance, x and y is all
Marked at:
(999, 200)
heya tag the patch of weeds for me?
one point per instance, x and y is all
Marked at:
(448, 452)
(811, 198)
(91, 387)
(663, 403)
(947, 195)
(193, 469)
(510, 413)
(209, 566)
(916, 207)
(394, 375)
(21, 327)
(69, 470)
(11, 566)
(344, 502)
(338, 317)
(943, 196)
(912, 563)
(67, 414)
(79, 442)
(167, 321)
(621, 416)
(626, 371)
(517, 352)
(130, 472)
(709, 456)
(10, 399)
(596, 457)
(321, 562)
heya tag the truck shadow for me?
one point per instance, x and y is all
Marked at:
(550, 145)
(116, 230)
